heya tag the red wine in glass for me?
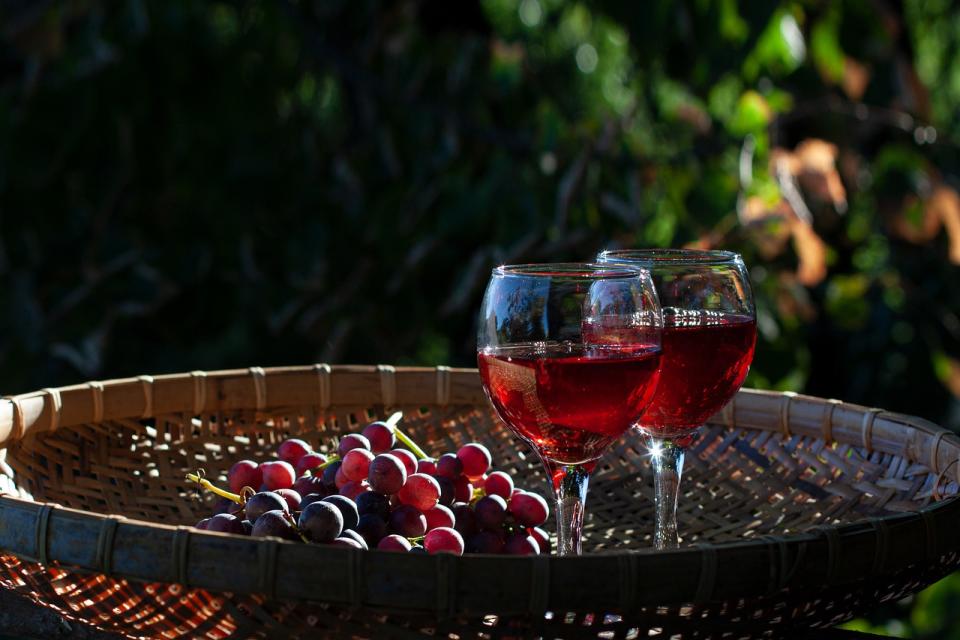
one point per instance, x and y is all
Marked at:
(570, 403)
(706, 357)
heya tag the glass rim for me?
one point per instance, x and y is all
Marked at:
(572, 270)
(661, 257)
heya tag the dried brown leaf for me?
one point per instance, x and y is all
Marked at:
(944, 205)
(817, 172)
(856, 77)
(811, 253)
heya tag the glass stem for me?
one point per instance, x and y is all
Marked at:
(570, 486)
(667, 460)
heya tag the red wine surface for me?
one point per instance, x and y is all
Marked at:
(570, 404)
(706, 356)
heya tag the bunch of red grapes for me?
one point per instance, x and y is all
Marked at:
(373, 495)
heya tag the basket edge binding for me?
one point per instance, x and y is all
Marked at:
(144, 551)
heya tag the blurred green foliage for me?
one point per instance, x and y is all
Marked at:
(213, 184)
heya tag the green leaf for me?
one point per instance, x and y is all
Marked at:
(752, 114)
(825, 48)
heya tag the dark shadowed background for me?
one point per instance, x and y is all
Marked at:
(200, 185)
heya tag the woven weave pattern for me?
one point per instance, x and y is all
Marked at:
(772, 468)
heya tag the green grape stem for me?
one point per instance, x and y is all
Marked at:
(333, 458)
(209, 486)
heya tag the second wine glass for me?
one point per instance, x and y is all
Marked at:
(569, 356)
(708, 341)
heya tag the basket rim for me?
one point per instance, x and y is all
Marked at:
(154, 552)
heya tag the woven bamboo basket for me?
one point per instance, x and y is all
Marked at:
(798, 512)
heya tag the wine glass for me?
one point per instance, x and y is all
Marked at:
(569, 356)
(708, 340)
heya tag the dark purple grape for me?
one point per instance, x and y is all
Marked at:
(247, 527)
(491, 511)
(275, 524)
(321, 522)
(448, 491)
(372, 528)
(418, 549)
(485, 542)
(387, 474)
(373, 503)
(353, 535)
(330, 476)
(202, 525)
(225, 523)
(260, 503)
(348, 542)
(449, 466)
(521, 544)
(408, 521)
(310, 484)
(347, 508)
(310, 499)
(466, 523)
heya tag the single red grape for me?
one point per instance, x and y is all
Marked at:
(408, 521)
(245, 473)
(347, 542)
(491, 511)
(291, 497)
(356, 464)
(463, 489)
(278, 474)
(420, 491)
(521, 544)
(380, 435)
(542, 538)
(407, 458)
(387, 474)
(427, 465)
(352, 441)
(529, 509)
(309, 462)
(340, 479)
(449, 466)
(394, 542)
(443, 540)
(292, 450)
(439, 516)
(353, 489)
(475, 458)
(500, 484)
